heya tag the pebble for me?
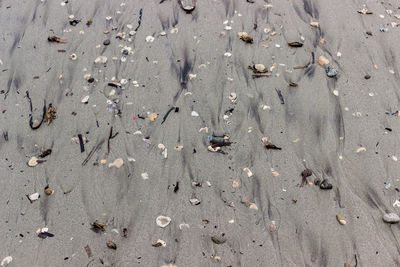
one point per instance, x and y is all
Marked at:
(194, 114)
(106, 42)
(325, 185)
(391, 218)
(331, 72)
(218, 239)
(163, 221)
(323, 61)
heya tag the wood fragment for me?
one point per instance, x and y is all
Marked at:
(94, 149)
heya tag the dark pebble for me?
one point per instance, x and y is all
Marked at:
(90, 80)
(325, 185)
(331, 72)
(317, 181)
(106, 42)
(218, 239)
(306, 173)
(367, 76)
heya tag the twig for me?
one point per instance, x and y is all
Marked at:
(94, 149)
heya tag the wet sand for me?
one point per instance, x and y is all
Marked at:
(315, 127)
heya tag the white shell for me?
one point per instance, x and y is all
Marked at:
(7, 260)
(259, 67)
(33, 162)
(163, 221)
(149, 39)
(85, 99)
(194, 114)
(34, 196)
(101, 60)
(117, 163)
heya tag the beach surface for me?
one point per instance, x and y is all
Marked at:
(171, 79)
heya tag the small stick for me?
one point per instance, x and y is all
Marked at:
(92, 152)
(81, 143)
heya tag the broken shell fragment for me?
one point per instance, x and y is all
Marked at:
(253, 206)
(7, 260)
(98, 227)
(145, 176)
(233, 97)
(259, 68)
(149, 39)
(314, 24)
(111, 245)
(248, 172)
(194, 201)
(33, 162)
(163, 221)
(117, 163)
(340, 219)
(295, 44)
(272, 227)
(178, 148)
(160, 243)
(101, 60)
(33, 197)
(235, 184)
(245, 37)
(152, 116)
(85, 99)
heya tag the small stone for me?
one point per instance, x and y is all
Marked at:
(340, 219)
(106, 42)
(331, 72)
(111, 245)
(391, 218)
(323, 61)
(218, 239)
(367, 77)
(325, 185)
(163, 221)
(317, 181)
(33, 162)
(73, 57)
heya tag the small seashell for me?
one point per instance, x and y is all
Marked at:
(160, 243)
(152, 116)
(111, 245)
(192, 76)
(194, 114)
(233, 97)
(149, 39)
(253, 206)
(163, 221)
(145, 176)
(49, 191)
(335, 92)
(272, 227)
(178, 148)
(108, 18)
(248, 172)
(227, 54)
(323, 61)
(314, 24)
(85, 99)
(103, 161)
(361, 149)
(101, 60)
(391, 218)
(394, 158)
(340, 219)
(174, 30)
(163, 33)
(7, 260)
(34, 196)
(183, 226)
(194, 201)
(33, 162)
(73, 57)
(259, 67)
(117, 163)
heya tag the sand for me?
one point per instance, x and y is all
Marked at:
(267, 219)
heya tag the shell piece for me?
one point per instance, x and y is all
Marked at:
(34, 196)
(194, 201)
(233, 97)
(194, 114)
(160, 243)
(101, 60)
(152, 116)
(33, 162)
(253, 206)
(272, 227)
(235, 184)
(111, 245)
(7, 260)
(163, 221)
(361, 149)
(314, 24)
(248, 172)
(259, 67)
(149, 39)
(117, 163)
(340, 219)
(85, 99)
(391, 218)
(178, 148)
(145, 176)
(49, 191)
